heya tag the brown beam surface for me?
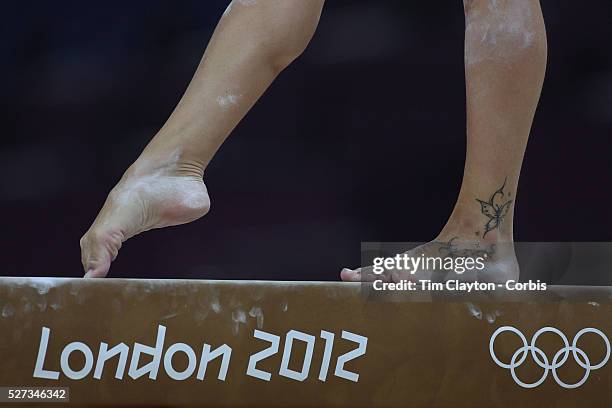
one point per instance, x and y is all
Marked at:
(167, 343)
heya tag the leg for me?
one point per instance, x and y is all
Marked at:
(505, 60)
(252, 43)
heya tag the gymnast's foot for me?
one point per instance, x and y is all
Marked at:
(497, 263)
(153, 193)
(479, 231)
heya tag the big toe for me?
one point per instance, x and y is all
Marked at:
(350, 275)
(98, 250)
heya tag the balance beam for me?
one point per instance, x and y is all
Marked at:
(170, 343)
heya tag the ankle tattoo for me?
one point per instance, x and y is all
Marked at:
(495, 209)
(465, 249)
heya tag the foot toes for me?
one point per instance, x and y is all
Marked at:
(351, 275)
(99, 272)
(98, 250)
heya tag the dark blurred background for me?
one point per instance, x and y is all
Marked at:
(362, 139)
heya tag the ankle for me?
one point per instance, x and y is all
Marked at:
(173, 164)
(487, 220)
(474, 229)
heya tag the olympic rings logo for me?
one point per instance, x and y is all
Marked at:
(541, 359)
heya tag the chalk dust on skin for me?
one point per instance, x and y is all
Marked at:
(499, 32)
(228, 100)
(257, 313)
(161, 184)
(154, 194)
